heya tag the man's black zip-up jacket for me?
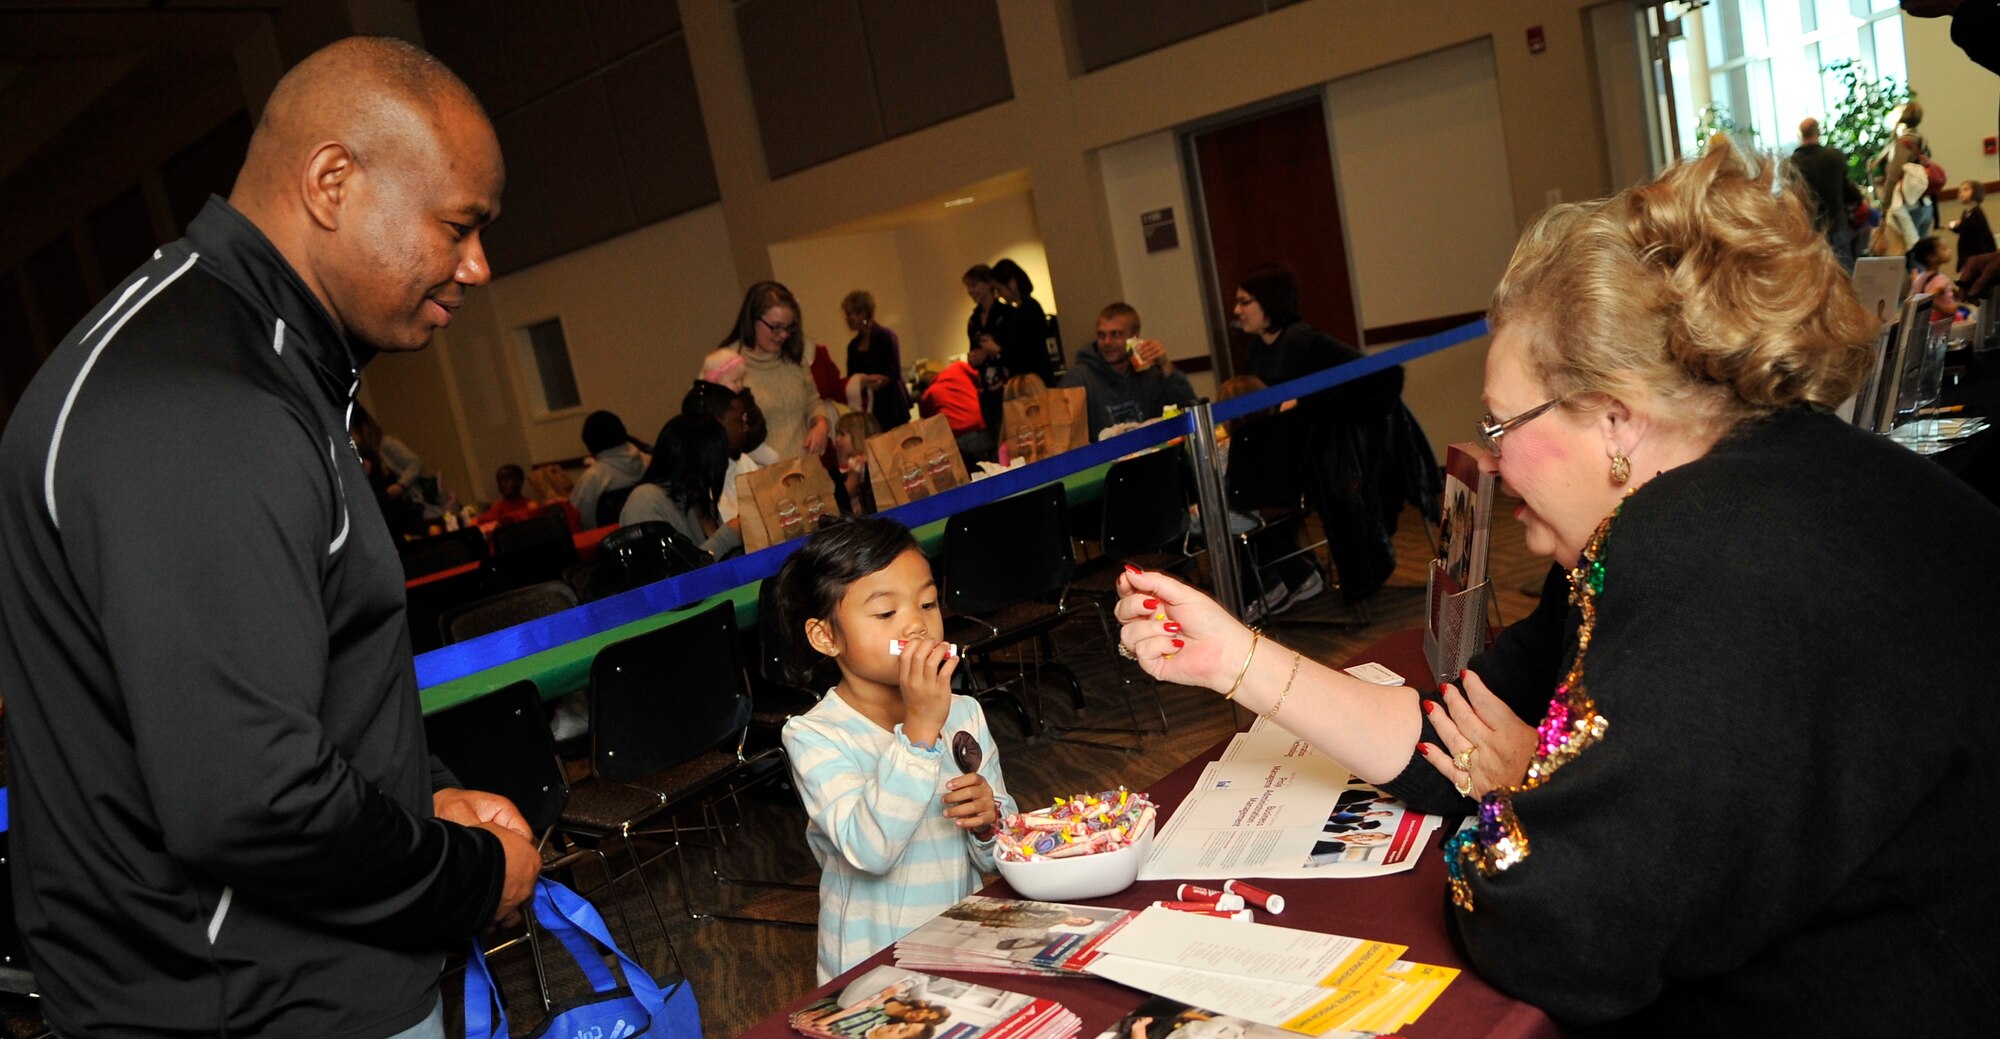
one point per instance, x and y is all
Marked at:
(221, 792)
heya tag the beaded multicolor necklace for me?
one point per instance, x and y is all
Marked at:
(1497, 842)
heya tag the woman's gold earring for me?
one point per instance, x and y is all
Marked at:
(1621, 469)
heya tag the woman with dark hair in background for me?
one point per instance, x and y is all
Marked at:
(1025, 351)
(1341, 435)
(987, 332)
(875, 357)
(773, 346)
(683, 486)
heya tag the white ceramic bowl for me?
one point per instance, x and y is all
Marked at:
(1085, 876)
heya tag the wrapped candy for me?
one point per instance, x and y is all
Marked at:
(1082, 825)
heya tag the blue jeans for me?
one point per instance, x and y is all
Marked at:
(431, 1027)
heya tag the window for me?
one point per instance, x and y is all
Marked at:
(1762, 60)
(551, 355)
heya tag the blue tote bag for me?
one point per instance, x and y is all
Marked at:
(609, 1011)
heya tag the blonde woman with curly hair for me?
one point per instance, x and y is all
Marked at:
(1726, 778)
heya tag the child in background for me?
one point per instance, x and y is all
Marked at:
(850, 453)
(1975, 235)
(1927, 260)
(512, 506)
(894, 825)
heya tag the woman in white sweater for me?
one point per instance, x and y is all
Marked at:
(767, 334)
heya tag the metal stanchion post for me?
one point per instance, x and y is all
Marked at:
(1214, 512)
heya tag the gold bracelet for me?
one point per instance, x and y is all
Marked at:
(1238, 684)
(1272, 714)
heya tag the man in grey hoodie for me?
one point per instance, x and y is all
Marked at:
(616, 463)
(1125, 378)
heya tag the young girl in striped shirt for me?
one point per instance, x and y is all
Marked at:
(900, 835)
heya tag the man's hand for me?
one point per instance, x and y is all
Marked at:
(474, 807)
(1151, 353)
(524, 864)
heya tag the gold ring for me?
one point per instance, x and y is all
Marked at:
(1463, 784)
(1463, 759)
(1126, 652)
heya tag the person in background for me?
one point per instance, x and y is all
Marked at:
(1025, 350)
(402, 471)
(746, 454)
(616, 462)
(773, 346)
(1824, 170)
(224, 817)
(1927, 262)
(956, 395)
(1021, 387)
(511, 506)
(987, 332)
(1975, 235)
(1659, 392)
(683, 485)
(850, 452)
(1126, 378)
(874, 364)
(724, 366)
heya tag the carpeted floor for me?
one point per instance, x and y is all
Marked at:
(743, 972)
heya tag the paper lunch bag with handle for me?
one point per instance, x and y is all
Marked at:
(782, 501)
(915, 461)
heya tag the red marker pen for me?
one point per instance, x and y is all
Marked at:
(1256, 896)
(1208, 898)
(1203, 909)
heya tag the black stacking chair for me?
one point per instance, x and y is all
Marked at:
(774, 695)
(669, 714)
(500, 743)
(1144, 509)
(1266, 481)
(424, 604)
(1007, 569)
(609, 505)
(518, 606)
(530, 552)
(442, 552)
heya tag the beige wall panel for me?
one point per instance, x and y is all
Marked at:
(821, 271)
(1959, 98)
(1165, 287)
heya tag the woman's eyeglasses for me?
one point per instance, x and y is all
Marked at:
(782, 330)
(1490, 431)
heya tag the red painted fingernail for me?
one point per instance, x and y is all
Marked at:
(1130, 569)
(1429, 706)
(1423, 748)
(1150, 604)
(1178, 643)
(1462, 673)
(1170, 627)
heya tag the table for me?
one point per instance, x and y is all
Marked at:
(586, 550)
(1407, 908)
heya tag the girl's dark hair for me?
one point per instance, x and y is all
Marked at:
(1276, 289)
(811, 583)
(689, 462)
(603, 431)
(1924, 253)
(763, 296)
(1007, 270)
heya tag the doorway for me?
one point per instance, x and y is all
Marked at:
(1267, 195)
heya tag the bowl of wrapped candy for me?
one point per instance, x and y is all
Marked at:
(1085, 846)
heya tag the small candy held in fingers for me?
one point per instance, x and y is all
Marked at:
(896, 648)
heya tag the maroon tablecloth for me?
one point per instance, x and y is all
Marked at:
(1408, 908)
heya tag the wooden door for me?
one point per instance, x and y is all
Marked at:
(1268, 195)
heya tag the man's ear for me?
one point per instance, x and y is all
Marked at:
(328, 178)
(819, 635)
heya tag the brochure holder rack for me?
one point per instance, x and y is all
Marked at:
(1454, 628)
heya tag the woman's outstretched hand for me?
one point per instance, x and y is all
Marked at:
(1483, 733)
(1178, 634)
